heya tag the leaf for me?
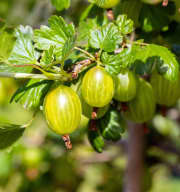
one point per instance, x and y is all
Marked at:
(60, 35)
(114, 63)
(112, 125)
(13, 69)
(23, 51)
(164, 60)
(105, 38)
(89, 24)
(47, 57)
(143, 59)
(32, 94)
(125, 25)
(9, 134)
(2, 24)
(131, 8)
(96, 140)
(86, 12)
(6, 44)
(167, 60)
(61, 4)
(155, 17)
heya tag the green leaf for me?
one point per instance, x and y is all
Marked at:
(131, 8)
(32, 94)
(23, 51)
(86, 26)
(60, 35)
(96, 140)
(155, 17)
(9, 134)
(13, 69)
(105, 38)
(112, 125)
(167, 63)
(114, 63)
(2, 24)
(163, 59)
(48, 57)
(6, 44)
(125, 25)
(143, 59)
(86, 12)
(61, 4)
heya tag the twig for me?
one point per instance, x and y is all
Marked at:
(79, 66)
(140, 43)
(85, 52)
(32, 76)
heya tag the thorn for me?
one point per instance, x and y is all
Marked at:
(67, 141)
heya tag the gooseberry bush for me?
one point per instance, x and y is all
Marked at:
(97, 68)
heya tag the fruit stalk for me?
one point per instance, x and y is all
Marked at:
(110, 14)
(31, 76)
(92, 125)
(94, 113)
(67, 141)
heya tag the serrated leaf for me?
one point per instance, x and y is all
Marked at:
(131, 8)
(60, 35)
(96, 140)
(31, 95)
(61, 4)
(9, 134)
(155, 17)
(134, 56)
(167, 60)
(105, 38)
(112, 125)
(114, 63)
(89, 24)
(164, 60)
(6, 44)
(125, 25)
(23, 51)
(13, 69)
(143, 59)
(86, 12)
(48, 57)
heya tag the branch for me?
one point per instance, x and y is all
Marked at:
(134, 173)
(33, 76)
(86, 53)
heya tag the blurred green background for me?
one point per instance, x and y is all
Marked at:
(39, 162)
